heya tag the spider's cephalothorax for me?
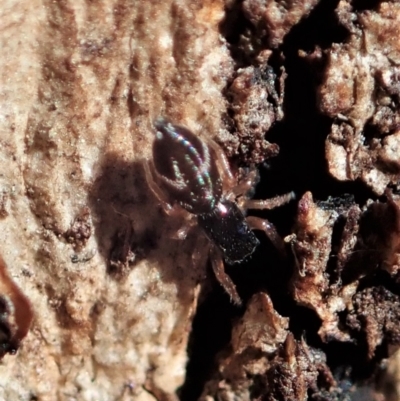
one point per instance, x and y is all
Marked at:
(226, 226)
(194, 174)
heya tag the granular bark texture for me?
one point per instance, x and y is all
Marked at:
(329, 273)
(81, 84)
(360, 90)
(340, 259)
(255, 105)
(312, 284)
(274, 19)
(98, 293)
(345, 248)
(375, 313)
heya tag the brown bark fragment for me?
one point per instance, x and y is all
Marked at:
(274, 19)
(375, 314)
(312, 284)
(360, 90)
(256, 105)
(264, 361)
(255, 338)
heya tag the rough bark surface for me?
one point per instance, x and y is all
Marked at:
(97, 294)
(81, 83)
(361, 91)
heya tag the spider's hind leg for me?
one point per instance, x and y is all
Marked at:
(150, 174)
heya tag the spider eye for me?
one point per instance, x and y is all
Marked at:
(186, 167)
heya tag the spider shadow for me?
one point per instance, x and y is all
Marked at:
(131, 227)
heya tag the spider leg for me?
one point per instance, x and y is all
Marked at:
(269, 204)
(169, 209)
(185, 228)
(200, 249)
(222, 163)
(257, 223)
(245, 184)
(217, 264)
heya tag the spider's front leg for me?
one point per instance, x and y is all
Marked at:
(268, 204)
(218, 266)
(246, 184)
(257, 223)
(204, 250)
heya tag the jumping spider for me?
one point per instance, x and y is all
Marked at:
(192, 175)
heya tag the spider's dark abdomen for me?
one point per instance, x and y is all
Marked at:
(186, 167)
(227, 228)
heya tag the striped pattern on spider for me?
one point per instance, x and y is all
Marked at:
(191, 174)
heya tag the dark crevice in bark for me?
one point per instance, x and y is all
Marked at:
(300, 166)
